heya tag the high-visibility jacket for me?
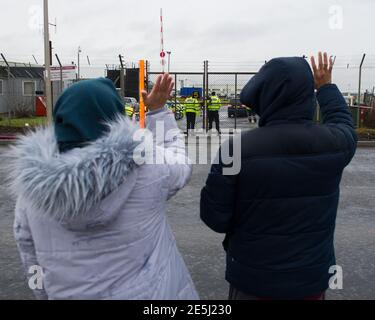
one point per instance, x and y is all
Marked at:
(192, 105)
(129, 110)
(215, 104)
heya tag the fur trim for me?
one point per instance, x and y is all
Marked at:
(70, 184)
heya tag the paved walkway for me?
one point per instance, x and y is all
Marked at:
(355, 237)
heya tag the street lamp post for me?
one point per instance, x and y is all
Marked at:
(359, 90)
(79, 64)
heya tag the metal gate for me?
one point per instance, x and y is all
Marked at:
(226, 85)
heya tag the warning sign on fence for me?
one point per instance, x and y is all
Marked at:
(67, 73)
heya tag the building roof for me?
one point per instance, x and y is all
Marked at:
(21, 70)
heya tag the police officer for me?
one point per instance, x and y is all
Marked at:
(129, 110)
(192, 111)
(214, 106)
(251, 115)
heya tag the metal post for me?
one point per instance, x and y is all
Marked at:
(372, 96)
(61, 74)
(206, 94)
(8, 86)
(169, 60)
(50, 59)
(36, 61)
(47, 64)
(122, 76)
(235, 100)
(175, 91)
(147, 76)
(79, 63)
(359, 90)
(334, 60)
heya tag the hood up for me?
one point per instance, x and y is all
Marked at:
(82, 110)
(68, 186)
(282, 92)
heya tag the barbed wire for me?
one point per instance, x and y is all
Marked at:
(346, 65)
(352, 60)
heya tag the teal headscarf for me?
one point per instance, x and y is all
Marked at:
(82, 110)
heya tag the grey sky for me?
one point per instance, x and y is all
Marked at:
(231, 34)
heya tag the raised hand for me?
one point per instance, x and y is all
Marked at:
(160, 93)
(322, 72)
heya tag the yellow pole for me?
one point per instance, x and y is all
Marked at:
(141, 88)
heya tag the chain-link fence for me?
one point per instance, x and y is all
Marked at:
(21, 84)
(187, 84)
(208, 100)
(227, 86)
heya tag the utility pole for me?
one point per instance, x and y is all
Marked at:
(61, 74)
(122, 76)
(47, 64)
(169, 60)
(359, 90)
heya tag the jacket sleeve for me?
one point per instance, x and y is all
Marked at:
(170, 143)
(26, 247)
(337, 116)
(218, 198)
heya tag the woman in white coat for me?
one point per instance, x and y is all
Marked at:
(89, 214)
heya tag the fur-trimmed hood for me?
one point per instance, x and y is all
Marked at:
(66, 186)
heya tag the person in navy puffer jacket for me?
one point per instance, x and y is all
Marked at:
(279, 212)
